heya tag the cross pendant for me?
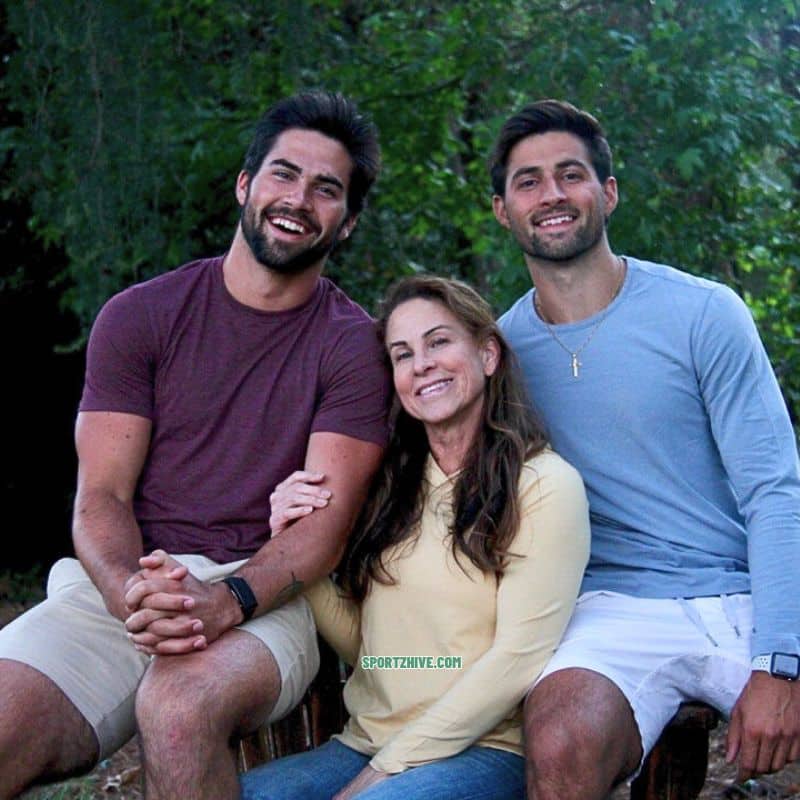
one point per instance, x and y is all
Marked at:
(575, 365)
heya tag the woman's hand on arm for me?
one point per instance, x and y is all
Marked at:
(295, 498)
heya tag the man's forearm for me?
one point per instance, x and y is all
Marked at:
(285, 565)
(108, 543)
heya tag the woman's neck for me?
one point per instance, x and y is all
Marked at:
(450, 444)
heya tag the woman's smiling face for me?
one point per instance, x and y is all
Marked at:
(439, 369)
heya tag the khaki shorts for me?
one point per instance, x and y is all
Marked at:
(73, 640)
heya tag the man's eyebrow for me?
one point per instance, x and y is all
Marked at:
(535, 170)
(282, 162)
(525, 171)
(572, 162)
(331, 179)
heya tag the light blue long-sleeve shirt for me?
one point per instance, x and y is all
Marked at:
(677, 425)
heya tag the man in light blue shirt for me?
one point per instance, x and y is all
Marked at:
(655, 385)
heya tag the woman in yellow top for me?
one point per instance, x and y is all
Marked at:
(459, 577)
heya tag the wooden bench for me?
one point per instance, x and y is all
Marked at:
(674, 770)
(676, 767)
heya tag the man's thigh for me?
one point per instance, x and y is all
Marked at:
(660, 652)
(73, 640)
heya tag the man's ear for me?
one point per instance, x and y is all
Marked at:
(347, 227)
(242, 186)
(499, 208)
(610, 192)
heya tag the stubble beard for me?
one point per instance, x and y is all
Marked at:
(584, 239)
(277, 256)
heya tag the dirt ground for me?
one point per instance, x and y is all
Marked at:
(119, 777)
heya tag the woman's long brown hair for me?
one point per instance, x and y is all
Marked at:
(485, 504)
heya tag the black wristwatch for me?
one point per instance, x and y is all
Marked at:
(241, 590)
(779, 665)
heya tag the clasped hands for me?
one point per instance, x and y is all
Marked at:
(170, 612)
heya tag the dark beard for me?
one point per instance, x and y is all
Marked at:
(275, 256)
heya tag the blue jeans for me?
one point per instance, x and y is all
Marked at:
(477, 773)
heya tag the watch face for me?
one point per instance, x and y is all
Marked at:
(785, 666)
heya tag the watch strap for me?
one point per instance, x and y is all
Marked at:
(241, 590)
(762, 663)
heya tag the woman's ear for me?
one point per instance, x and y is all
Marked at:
(490, 354)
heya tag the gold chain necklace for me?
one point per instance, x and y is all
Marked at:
(573, 354)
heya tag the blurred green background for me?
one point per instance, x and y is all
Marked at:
(124, 123)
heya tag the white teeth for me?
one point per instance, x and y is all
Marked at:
(288, 224)
(555, 221)
(433, 387)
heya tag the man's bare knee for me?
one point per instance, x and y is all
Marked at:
(191, 708)
(175, 701)
(208, 693)
(580, 736)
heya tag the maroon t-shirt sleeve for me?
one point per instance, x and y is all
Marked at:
(119, 360)
(356, 387)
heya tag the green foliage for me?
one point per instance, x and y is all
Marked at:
(21, 588)
(132, 119)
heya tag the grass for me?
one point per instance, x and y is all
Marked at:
(75, 789)
(117, 777)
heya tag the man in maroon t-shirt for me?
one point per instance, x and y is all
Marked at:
(204, 388)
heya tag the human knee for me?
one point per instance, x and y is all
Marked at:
(558, 764)
(174, 703)
(550, 750)
(555, 733)
(578, 724)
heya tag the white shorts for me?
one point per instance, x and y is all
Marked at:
(73, 640)
(660, 653)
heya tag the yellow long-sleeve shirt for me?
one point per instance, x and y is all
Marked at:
(504, 632)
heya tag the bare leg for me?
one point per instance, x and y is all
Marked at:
(580, 737)
(43, 737)
(190, 709)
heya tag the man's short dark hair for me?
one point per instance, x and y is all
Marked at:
(330, 114)
(543, 117)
